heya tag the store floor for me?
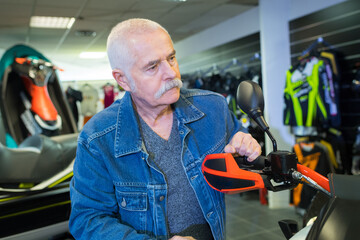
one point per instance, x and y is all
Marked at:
(246, 218)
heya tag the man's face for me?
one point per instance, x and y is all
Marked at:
(154, 68)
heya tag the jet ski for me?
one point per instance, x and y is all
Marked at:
(38, 138)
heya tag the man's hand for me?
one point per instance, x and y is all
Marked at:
(181, 238)
(244, 145)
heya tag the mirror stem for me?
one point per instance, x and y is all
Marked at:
(272, 140)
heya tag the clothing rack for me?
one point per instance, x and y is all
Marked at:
(234, 62)
(319, 40)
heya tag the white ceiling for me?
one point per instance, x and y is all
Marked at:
(181, 19)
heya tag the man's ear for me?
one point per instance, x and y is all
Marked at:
(121, 79)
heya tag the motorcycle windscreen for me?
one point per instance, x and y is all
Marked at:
(339, 219)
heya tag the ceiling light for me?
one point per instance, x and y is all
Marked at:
(51, 22)
(92, 55)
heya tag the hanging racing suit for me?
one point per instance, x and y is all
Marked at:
(304, 105)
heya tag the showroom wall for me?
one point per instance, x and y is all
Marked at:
(243, 25)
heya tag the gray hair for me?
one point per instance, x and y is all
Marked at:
(118, 49)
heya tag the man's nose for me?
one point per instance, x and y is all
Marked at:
(169, 70)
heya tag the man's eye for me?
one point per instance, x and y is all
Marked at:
(172, 59)
(153, 67)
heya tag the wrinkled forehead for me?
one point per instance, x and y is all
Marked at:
(135, 39)
(151, 45)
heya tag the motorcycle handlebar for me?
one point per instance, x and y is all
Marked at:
(277, 171)
(281, 166)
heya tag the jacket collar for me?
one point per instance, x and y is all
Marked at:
(128, 137)
(185, 111)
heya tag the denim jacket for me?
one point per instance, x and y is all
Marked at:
(118, 193)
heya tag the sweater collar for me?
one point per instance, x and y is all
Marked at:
(128, 137)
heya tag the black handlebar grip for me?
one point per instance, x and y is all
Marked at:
(259, 163)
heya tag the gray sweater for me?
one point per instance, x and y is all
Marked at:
(184, 214)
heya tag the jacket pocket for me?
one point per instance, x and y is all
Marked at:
(132, 201)
(133, 205)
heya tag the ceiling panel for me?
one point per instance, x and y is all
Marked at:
(213, 17)
(111, 5)
(181, 19)
(62, 4)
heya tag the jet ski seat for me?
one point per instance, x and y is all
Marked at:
(37, 158)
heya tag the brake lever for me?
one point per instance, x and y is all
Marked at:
(259, 163)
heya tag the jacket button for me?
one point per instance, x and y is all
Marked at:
(123, 203)
(193, 177)
(161, 198)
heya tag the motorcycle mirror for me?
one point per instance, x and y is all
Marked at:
(250, 99)
(249, 96)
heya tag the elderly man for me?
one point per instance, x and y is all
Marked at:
(137, 172)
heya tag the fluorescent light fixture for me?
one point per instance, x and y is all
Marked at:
(92, 55)
(51, 22)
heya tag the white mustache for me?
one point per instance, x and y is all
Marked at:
(167, 86)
